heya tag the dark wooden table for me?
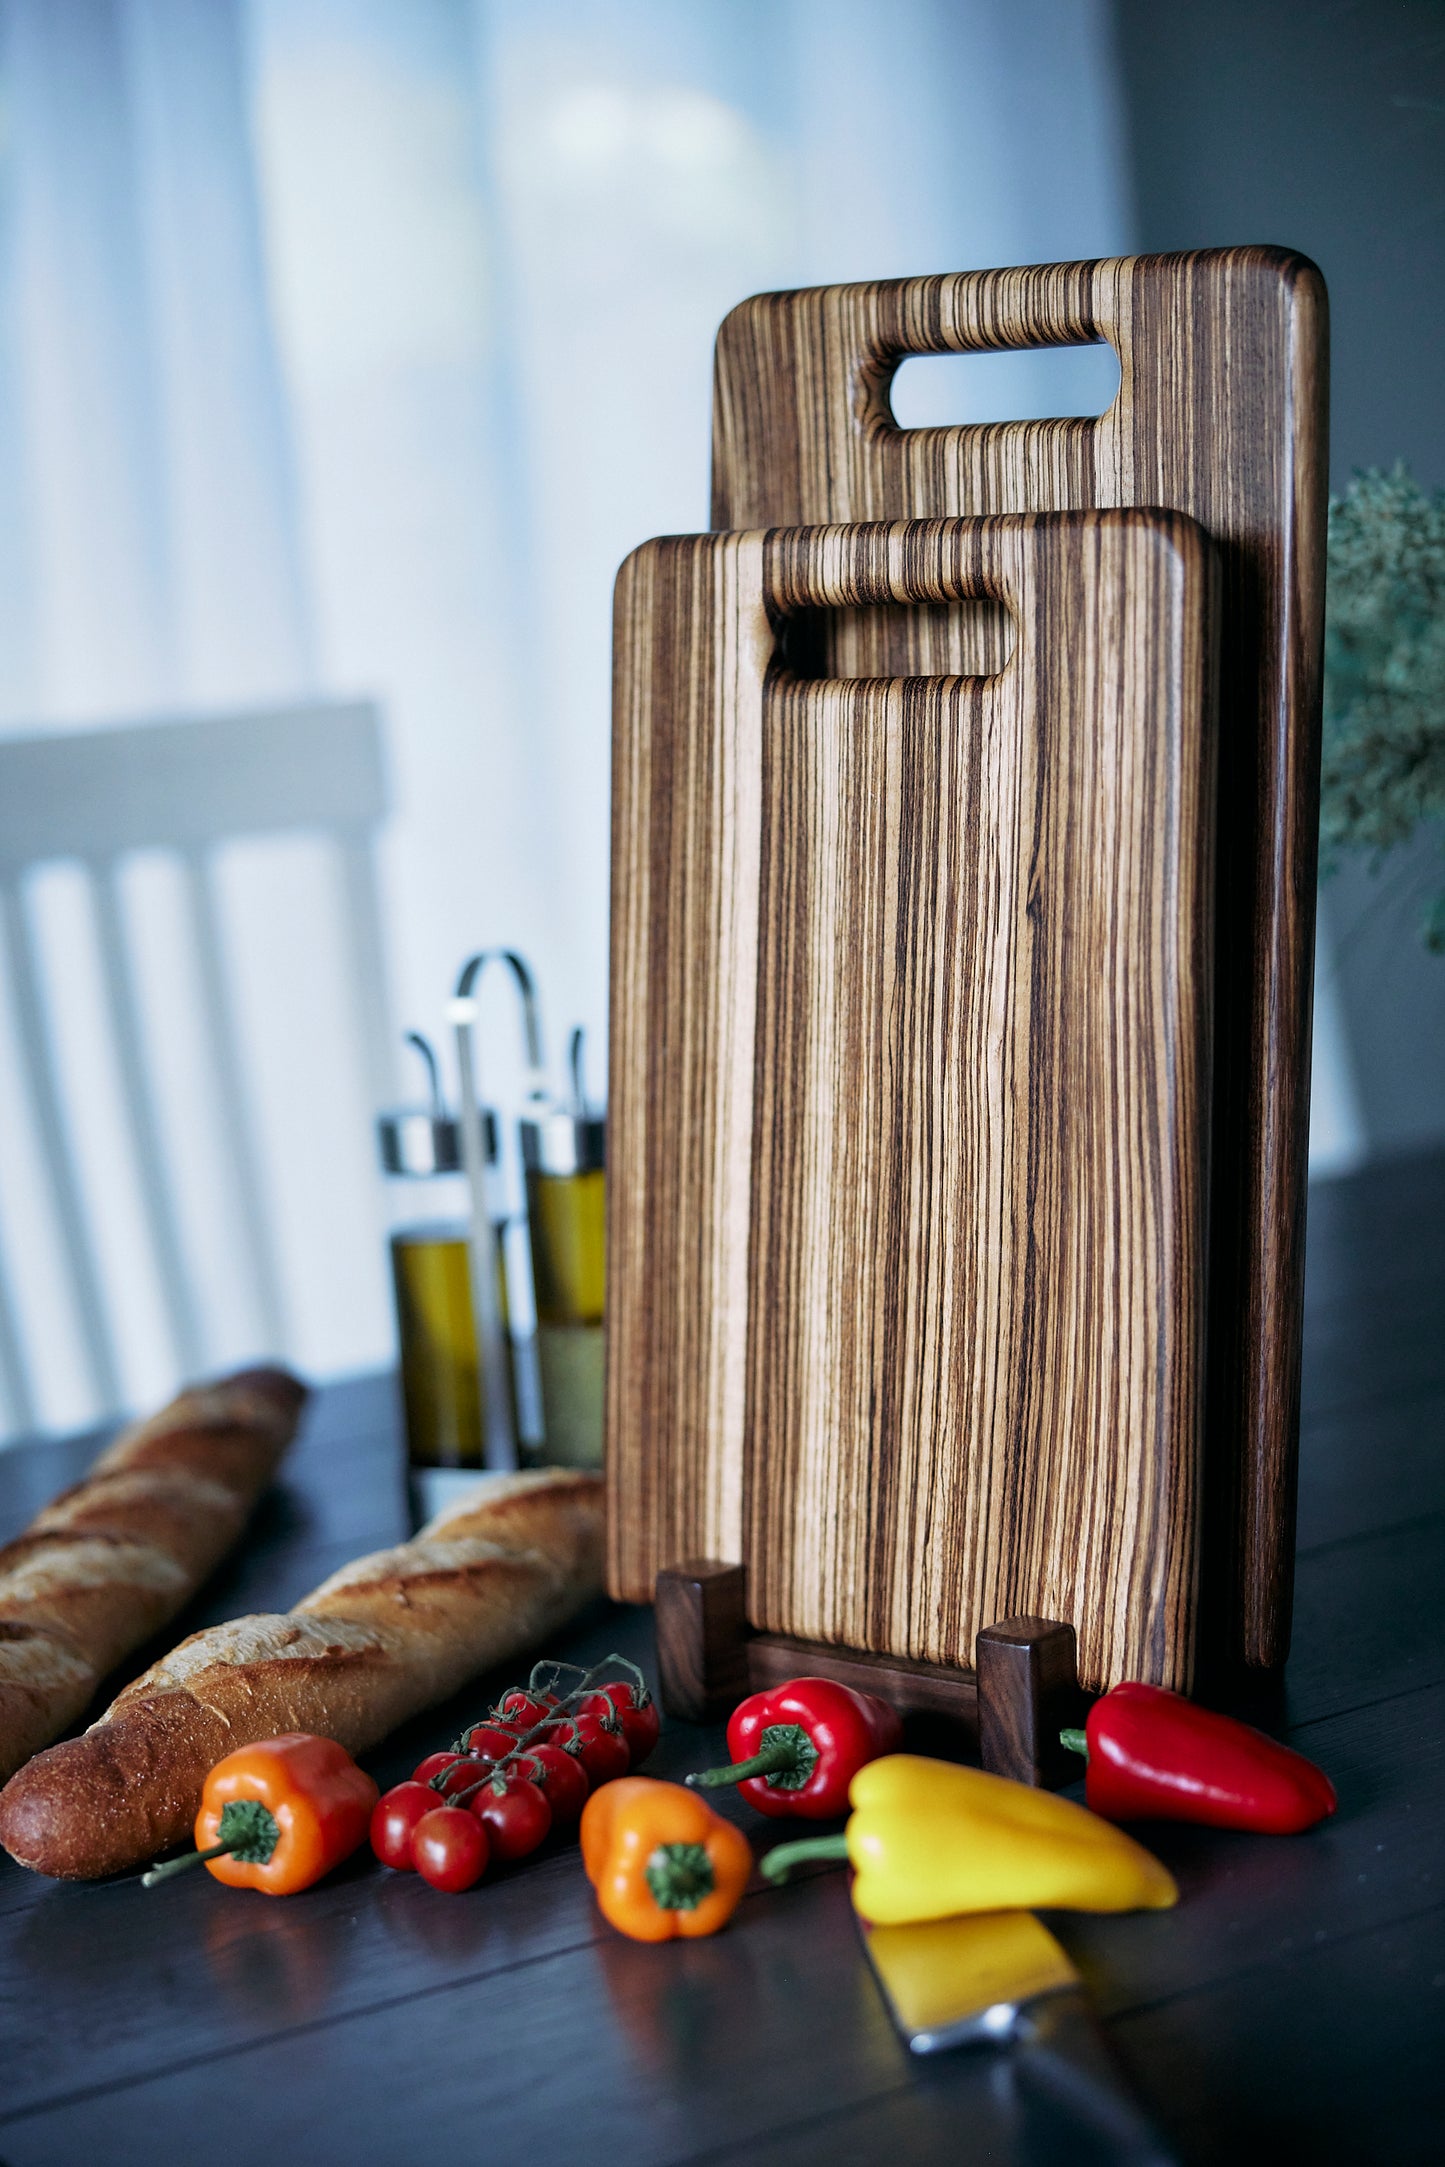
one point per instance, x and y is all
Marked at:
(1293, 2006)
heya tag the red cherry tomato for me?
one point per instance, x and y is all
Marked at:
(445, 1774)
(519, 1709)
(514, 1813)
(450, 1848)
(562, 1735)
(393, 1819)
(602, 1747)
(636, 1711)
(562, 1778)
(492, 1741)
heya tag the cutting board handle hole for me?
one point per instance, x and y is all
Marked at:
(974, 638)
(1038, 383)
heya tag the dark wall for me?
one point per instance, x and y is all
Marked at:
(1323, 127)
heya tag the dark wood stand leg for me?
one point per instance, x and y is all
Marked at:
(702, 1636)
(1011, 1709)
(1028, 1691)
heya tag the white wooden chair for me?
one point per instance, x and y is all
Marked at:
(183, 787)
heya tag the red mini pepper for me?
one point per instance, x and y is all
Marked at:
(1154, 1756)
(797, 1748)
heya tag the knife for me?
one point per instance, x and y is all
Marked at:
(1000, 1978)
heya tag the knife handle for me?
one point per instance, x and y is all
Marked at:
(1062, 2054)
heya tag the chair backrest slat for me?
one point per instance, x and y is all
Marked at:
(157, 1195)
(42, 1084)
(361, 920)
(17, 1402)
(222, 1035)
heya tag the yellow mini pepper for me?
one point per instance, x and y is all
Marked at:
(662, 1862)
(929, 1840)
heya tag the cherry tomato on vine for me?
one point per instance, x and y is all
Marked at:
(492, 1741)
(562, 1737)
(445, 1773)
(600, 1745)
(451, 1848)
(520, 1709)
(562, 1778)
(514, 1813)
(635, 1709)
(394, 1817)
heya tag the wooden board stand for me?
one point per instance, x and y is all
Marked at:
(1011, 1707)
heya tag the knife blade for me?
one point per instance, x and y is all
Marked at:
(1001, 1978)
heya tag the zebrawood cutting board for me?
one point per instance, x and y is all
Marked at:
(1222, 414)
(909, 1088)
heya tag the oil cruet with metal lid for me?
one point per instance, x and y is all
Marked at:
(564, 1160)
(430, 1220)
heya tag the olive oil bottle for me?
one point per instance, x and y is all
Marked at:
(563, 1157)
(442, 1382)
(440, 1377)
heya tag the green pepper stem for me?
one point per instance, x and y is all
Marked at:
(247, 1827)
(780, 1861)
(1076, 1741)
(769, 1762)
(680, 1876)
(178, 1866)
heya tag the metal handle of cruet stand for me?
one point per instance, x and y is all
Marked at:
(577, 1070)
(422, 1046)
(499, 1442)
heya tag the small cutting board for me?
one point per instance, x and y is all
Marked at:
(911, 995)
(1221, 413)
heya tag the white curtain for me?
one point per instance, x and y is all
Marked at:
(349, 345)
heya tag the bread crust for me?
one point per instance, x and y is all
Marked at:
(112, 1559)
(377, 1642)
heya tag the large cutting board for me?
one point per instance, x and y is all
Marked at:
(1222, 414)
(909, 1087)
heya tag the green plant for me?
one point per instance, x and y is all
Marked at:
(1384, 723)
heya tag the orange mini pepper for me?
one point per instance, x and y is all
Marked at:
(278, 1815)
(662, 1862)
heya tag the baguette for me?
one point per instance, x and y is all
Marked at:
(377, 1642)
(113, 1559)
